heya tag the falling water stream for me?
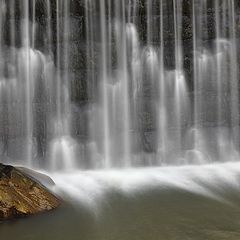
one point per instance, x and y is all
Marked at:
(155, 127)
(145, 110)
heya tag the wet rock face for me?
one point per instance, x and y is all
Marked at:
(21, 196)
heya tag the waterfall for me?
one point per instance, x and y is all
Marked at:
(118, 84)
(215, 77)
(62, 146)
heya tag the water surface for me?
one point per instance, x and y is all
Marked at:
(199, 203)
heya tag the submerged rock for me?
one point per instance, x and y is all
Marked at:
(22, 195)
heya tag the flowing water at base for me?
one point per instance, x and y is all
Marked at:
(184, 203)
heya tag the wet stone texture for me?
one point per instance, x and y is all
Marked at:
(20, 195)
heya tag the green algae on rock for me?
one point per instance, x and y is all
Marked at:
(21, 195)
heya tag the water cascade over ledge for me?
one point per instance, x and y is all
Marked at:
(117, 84)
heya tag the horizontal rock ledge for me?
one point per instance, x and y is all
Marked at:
(22, 193)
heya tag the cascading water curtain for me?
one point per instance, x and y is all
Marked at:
(111, 117)
(167, 89)
(216, 81)
(119, 83)
(35, 83)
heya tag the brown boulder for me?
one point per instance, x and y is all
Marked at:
(21, 195)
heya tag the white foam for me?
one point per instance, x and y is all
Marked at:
(90, 188)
